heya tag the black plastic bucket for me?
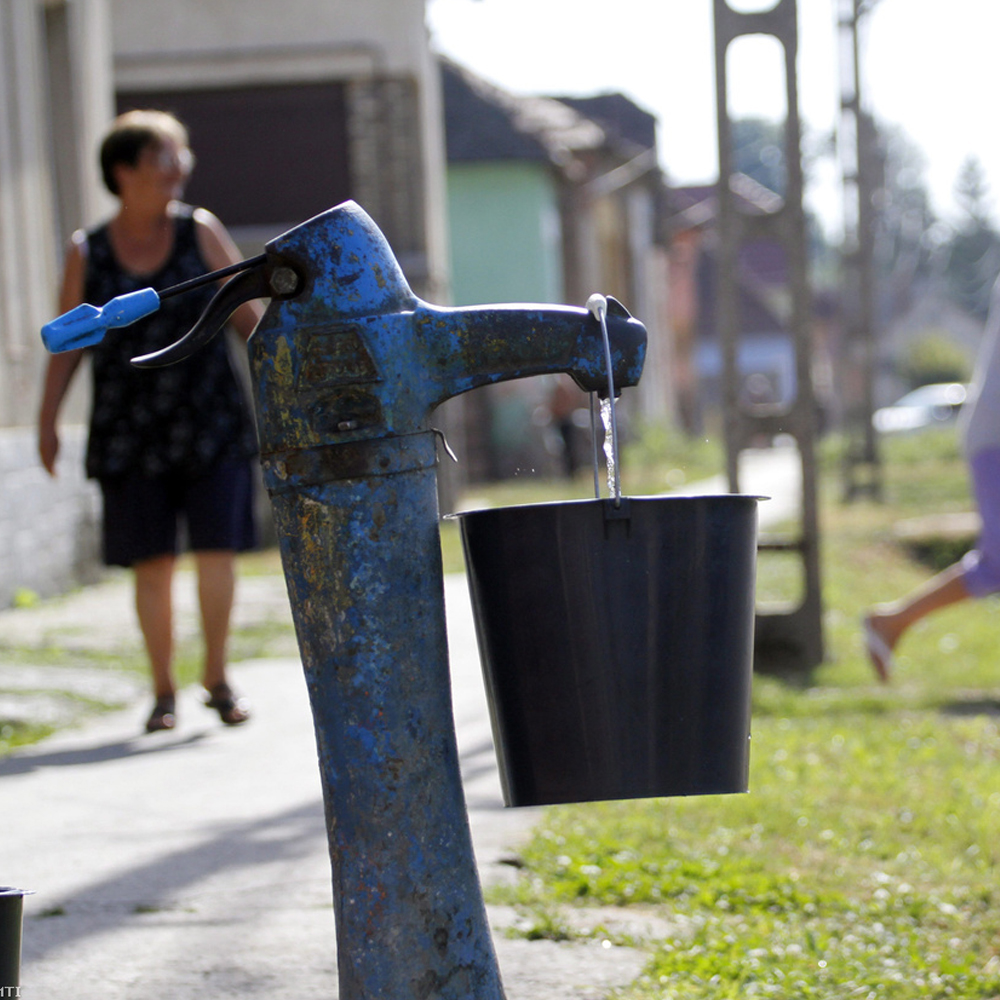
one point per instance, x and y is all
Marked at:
(11, 905)
(617, 644)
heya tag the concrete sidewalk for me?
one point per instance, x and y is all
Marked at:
(194, 864)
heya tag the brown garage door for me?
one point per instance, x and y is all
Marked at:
(266, 156)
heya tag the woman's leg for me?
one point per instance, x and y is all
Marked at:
(219, 511)
(154, 607)
(216, 591)
(890, 621)
(976, 575)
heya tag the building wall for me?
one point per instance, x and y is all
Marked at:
(61, 63)
(49, 528)
(378, 48)
(506, 246)
(228, 41)
(42, 193)
(55, 73)
(521, 233)
(504, 233)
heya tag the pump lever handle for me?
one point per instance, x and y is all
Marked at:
(251, 284)
(86, 325)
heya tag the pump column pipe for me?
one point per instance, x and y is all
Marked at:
(362, 561)
(348, 366)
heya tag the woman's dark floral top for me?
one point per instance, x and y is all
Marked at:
(181, 418)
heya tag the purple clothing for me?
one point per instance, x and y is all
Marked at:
(979, 426)
(981, 566)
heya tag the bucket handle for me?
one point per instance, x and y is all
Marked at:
(598, 306)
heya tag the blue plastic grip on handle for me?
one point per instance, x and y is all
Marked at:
(86, 325)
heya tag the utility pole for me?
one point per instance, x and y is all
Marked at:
(789, 639)
(856, 143)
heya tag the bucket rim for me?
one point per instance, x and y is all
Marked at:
(604, 501)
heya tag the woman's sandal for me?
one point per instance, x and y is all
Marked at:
(163, 715)
(231, 710)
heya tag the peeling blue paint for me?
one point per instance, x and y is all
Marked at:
(346, 377)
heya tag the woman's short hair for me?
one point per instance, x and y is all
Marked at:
(131, 133)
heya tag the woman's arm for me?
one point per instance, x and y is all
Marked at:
(61, 367)
(219, 250)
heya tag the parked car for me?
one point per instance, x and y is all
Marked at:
(929, 405)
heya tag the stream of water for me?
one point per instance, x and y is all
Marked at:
(607, 418)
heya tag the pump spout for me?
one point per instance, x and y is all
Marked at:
(354, 354)
(480, 345)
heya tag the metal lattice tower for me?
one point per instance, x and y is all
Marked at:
(789, 639)
(862, 468)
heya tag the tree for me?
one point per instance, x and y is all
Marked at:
(973, 252)
(972, 191)
(904, 218)
(935, 357)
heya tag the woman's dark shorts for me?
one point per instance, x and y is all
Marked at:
(143, 516)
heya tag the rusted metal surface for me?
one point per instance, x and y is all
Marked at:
(362, 562)
(347, 374)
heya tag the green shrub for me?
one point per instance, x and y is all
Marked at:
(934, 358)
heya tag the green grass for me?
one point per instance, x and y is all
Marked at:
(17, 733)
(865, 860)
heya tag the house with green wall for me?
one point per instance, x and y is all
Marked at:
(506, 236)
(543, 202)
(504, 172)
